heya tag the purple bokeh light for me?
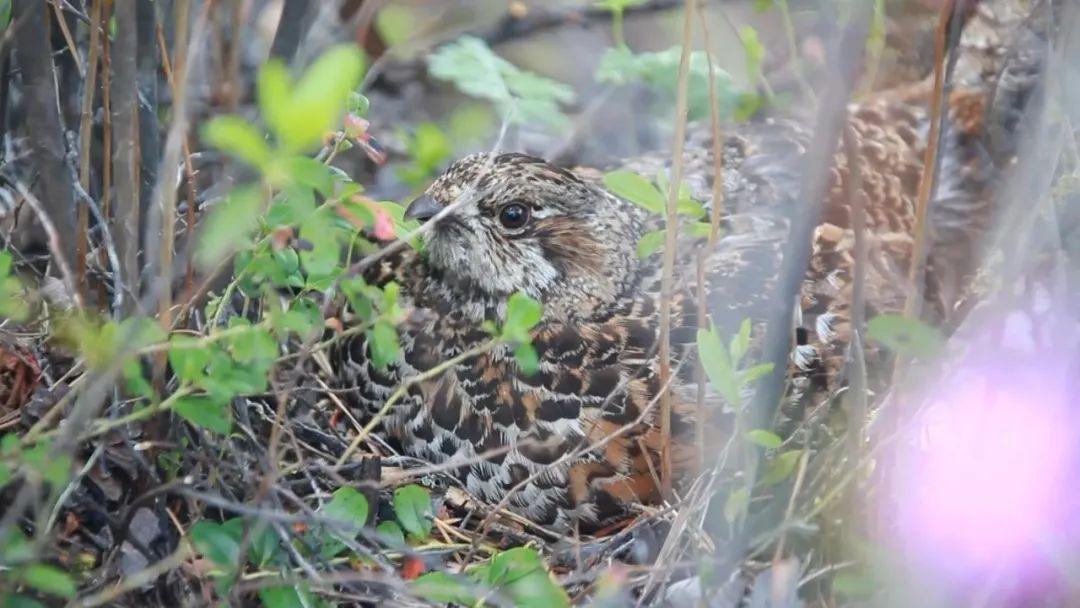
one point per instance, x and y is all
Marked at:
(986, 477)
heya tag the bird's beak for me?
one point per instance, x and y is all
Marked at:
(423, 208)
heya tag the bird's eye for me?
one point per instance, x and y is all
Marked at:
(513, 215)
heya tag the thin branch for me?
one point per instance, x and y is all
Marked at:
(54, 240)
(85, 135)
(930, 158)
(670, 244)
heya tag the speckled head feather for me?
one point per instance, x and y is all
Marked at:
(573, 249)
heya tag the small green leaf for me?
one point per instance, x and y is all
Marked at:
(636, 189)
(239, 138)
(50, 580)
(412, 506)
(318, 99)
(715, 359)
(272, 89)
(255, 344)
(265, 547)
(527, 359)
(19, 601)
(781, 467)
(443, 588)
(690, 207)
(348, 507)
(522, 314)
(228, 225)
(324, 255)
(751, 375)
(206, 412)
(765, 439)
(617, 5)
(855, 585)
(650, 243)
(905, 336)
(736, 504)
(312, 174)
(740, 342)
(216, 543)
(391, 534)
(293, 596)
(383, 341)
(521, 574)
(754, 51)
(188, 357)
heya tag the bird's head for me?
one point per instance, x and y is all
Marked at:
(511, 222)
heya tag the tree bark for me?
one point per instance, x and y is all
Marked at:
(45, 132)
(125, 140)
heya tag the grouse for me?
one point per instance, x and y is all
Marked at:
(579, 441)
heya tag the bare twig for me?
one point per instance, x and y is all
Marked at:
(85, 124)
(670, 244)
(930, 158)
(54, 239)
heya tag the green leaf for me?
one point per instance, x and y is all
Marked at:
(265, 546)
(391, 534)
(856, 585)
(429, 146)
(717, 364)
(325, 253)
(217, 544)
(312, 174)
(740, 342)
(617, 5)
(527, 359)
(659, 71)
(292, 596)
(255, 344)
(691, 208)
(754, 51)
(751, 375)
(239, 138)
(650, 243)
(206, 412)
(317, 101)
(383, 341)
(19, 601)
(521, 574)
(50, 580)
(781, 467)
(348, 507)
(736, 504)
(228, 225)
(471, 66)
(272, 89)
(522, 314)
(636, 189)
(905, 336)
(412, 506)
(188, 357)
(443, 588)
(135, 382)
(762, 6)
(5, 14)
(765, 439)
